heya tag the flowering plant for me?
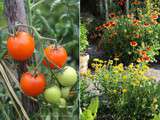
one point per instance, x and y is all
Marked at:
(125, 36)
(126, 93)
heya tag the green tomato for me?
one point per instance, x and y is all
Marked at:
(68, 77)
(62, 103)
(53, 94)
(65, 91)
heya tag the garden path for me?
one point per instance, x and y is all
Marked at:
(154, 71)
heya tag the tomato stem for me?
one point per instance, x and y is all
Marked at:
(34, 29)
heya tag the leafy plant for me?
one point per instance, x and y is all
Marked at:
(83, 38)
(91, 112)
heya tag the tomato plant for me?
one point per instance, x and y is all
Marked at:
(32, 85)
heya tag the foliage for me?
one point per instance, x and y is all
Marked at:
(156, 117)
(127, 93)
(83, 38)
(120, 34)
(91, 111)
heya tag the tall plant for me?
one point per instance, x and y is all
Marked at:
(83, 38)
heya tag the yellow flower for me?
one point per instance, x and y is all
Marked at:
(93, 65)
(124, 90)
(116, 59)
(130, 66)
(110, 62)
(120, 67)
(99, 65)
(95, 59)
(114, 91)
(124, 77)
(101, 61)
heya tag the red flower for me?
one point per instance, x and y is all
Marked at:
(146, 58)
(133, 43)
(112, 15)
(106, 24)
(98, 28)
(146, 24)
(148, 48)
(112, 23)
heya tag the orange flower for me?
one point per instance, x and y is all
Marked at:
(146, 58)
(130, 16)
(143, 53)
(112, 23)
(137, 36)
(140, 60)
(133, 43)
(136, 3)
(136, 22)
(106, 25)
(154, 17)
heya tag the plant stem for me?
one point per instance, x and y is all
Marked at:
(39, 36)
(29, 12)
(36, 4)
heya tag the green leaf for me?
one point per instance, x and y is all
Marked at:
(2, 53)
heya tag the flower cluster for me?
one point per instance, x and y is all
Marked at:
(107, 25)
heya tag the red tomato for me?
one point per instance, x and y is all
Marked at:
(32, 85)
(21, 46)
(56, 55)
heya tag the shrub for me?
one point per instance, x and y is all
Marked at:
(126, 93)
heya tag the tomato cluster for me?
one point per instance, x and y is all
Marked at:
(21, 47)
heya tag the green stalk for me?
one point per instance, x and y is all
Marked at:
(29, 13)
(148, 6)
